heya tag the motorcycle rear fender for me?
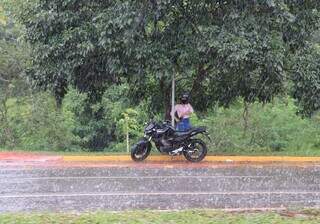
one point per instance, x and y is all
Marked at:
(203, 132)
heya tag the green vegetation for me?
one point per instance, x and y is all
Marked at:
(267, 129)
(85, 75)
(185, 217)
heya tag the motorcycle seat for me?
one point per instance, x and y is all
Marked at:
(190, 131)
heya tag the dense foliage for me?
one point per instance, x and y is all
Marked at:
(238, 46)
(105, 62)
(306, 80)
(13, 60)
(272, 129)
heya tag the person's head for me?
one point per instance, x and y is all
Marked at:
(184, 98)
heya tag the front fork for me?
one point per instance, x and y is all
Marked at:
(147, 138)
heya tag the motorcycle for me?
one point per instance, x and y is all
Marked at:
(171, 142)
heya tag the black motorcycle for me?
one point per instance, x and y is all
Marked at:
(171, 142)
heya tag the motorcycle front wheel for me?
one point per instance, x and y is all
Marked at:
(196, 151)
(140, 151)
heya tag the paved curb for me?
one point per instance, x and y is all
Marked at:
(13, 156)
(28, 157)
(127, 158)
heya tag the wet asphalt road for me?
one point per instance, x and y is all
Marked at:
(34, 188)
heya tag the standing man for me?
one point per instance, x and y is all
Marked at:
(182, 113)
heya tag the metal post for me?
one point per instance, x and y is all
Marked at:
(173, 98)
(128, 143)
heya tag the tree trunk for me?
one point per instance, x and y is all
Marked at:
(245, 117)
(166, 90)
(197, 92)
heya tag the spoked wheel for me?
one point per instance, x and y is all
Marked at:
(140, 151)
(196, 152)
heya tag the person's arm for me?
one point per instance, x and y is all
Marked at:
(186, 111)
(179, 111)
(189, 110)
(176, 116)
(176, 113)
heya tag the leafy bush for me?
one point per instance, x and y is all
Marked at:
(38, 125)
(271, 128)
(100, 125)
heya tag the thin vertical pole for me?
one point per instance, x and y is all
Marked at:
(172, 98)
(127, 136)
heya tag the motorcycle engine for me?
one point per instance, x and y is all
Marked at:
(165, 141)
(166, 145)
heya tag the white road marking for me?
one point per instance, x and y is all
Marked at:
(130, 177)
(159, 194)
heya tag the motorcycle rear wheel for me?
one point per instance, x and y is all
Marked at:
(196, 152)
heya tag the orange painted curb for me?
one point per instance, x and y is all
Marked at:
(127, 158)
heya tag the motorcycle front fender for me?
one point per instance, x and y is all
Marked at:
(145, 142)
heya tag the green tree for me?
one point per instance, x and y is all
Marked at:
(238, 46)
(13, 59)
(306, 79)
(219, 50)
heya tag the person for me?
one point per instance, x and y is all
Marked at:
(182, 113)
